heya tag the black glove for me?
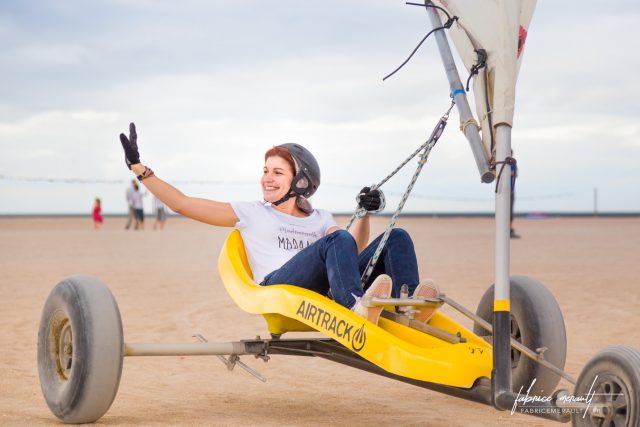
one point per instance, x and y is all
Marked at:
(369, 200)
(130, 146)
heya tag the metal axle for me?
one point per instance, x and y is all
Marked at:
(418, 302)
(185, 349)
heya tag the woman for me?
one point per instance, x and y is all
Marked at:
(287, 241)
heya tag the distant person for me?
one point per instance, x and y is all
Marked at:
(97, 214)
(131, 213)
(161, 214)
(138, 207)
(514, 175)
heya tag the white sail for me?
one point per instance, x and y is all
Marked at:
(499, 27)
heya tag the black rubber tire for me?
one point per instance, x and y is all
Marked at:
(80, 349)
(538, 323)
(618, 372)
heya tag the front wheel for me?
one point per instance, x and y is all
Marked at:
(611, 377)
(536, 322)
(80, 349)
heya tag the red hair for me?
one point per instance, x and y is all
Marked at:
(283, 154)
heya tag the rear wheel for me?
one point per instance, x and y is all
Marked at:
(611, 377)
(80, 349)
(537, 323)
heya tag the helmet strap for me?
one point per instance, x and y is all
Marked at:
(284, 198)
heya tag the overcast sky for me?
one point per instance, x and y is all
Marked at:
(212, 84)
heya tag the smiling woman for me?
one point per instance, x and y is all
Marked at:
(288, 241)
(303, 185)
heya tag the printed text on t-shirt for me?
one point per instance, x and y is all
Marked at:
(295, 243)
(292, 244)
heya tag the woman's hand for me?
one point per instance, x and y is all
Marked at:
(369, 200)
(207, 211)
(130, 146)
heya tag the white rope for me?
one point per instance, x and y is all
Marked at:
(469, 121)
(426, 150)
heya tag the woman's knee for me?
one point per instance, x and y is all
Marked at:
(342, 237)
(400, 234)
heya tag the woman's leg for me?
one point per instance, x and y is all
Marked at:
(398, 260)
(329, 263)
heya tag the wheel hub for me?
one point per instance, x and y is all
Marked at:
(64, 350)
(609, 390)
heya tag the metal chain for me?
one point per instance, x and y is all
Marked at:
(426, 150)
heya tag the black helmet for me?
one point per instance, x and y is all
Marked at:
(307, 174)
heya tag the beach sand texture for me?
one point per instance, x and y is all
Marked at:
(167, 287)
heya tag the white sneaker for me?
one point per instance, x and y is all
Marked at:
(381, 288)
(426, 289)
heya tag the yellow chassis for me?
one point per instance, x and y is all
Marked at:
(398, 349)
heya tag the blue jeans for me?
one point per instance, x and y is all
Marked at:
(333, 263)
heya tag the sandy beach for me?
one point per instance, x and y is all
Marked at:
(167, 288)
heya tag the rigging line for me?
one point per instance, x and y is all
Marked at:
(547, 196)
(464, 199)
(425, 151)
(427, 145)
(376, 255)
(444, 198)
(446, 25)
(61, 180)
(332, 184)
(435, 134)
(52, 180)
(431, 5)
(484, 199)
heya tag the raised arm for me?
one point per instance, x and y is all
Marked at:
(204, 210)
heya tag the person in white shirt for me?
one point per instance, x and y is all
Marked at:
(138, 207)
(130, 212)
(288, 241)
(161, 214)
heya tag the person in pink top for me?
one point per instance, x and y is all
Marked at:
(97, 214)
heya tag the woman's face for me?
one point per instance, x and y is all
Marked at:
(276, 178)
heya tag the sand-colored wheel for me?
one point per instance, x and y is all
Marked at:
(80, 349)
(612, 378)
(536, 322)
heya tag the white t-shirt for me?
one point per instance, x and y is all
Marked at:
(157, 203)
(130, 192)
(271, 238)
(137, 200)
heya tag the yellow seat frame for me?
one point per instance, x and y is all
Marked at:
(395, 348)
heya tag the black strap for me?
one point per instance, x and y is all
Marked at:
(507, 161)
(289, 195)
(482, 62)
(446, 25)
